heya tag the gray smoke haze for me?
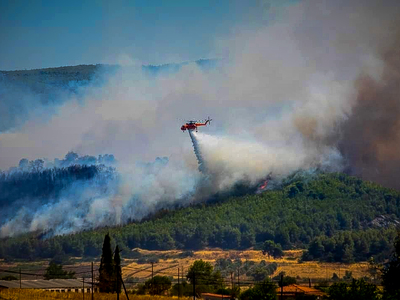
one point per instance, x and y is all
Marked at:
(316, 88)
(19, 102)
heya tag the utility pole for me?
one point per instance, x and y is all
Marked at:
(92, 282)
(152, 280)
(194, 286)
(179, 286)
(123, 284)
(238, 276)
(326, 273)
(281, 287)
(117, 287)
(20, 283)
(83, 288)
(232, 281)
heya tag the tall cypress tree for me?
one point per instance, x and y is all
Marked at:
(106, 270)
(117, 270)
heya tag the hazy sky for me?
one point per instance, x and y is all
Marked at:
(48, 33)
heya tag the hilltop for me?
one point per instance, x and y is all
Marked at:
(72, 77)
(335, 216)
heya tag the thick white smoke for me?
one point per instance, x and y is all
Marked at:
(230, 160)
(278, 99)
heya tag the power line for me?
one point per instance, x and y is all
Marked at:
(198, 276)
(159, 271)
(32, 274)
(138, 271)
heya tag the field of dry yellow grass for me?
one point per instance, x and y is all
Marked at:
(15, 294)
(169, 262)
(38, 268)
(289, 264)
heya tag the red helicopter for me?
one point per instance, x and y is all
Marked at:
(192, 125)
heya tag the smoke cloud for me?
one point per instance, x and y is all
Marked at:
(371, 137)
(315, 88)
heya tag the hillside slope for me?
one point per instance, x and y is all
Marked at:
(340, 217)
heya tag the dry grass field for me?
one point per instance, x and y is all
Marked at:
(168, 264)
(169, 261)
(15, 294)
(289, 264)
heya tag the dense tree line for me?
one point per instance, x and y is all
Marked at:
(70, 159)
(351, 246)
(44, 183)
(340, 218)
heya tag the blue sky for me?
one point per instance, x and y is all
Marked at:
(50, 33)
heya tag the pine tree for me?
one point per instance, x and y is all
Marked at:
(106, 270)
(117, 270)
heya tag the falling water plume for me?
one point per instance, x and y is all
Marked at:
(196, 147)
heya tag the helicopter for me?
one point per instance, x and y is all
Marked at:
(192, 125)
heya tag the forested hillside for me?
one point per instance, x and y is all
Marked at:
(338, 217)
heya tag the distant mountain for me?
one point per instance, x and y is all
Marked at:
(335, 216)
(71, 77)
(24, 92)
